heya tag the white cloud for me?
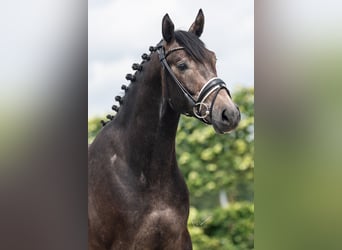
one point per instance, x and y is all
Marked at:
(104, 81)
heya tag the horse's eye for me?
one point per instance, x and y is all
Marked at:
(182, 66)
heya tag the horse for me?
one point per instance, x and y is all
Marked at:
(137, 197)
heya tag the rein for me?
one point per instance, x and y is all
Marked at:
(214, 84)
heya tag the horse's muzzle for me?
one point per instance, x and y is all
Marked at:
(225, 117)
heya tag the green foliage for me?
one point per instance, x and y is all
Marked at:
(94, 125)
(211, 164)
(229, 228)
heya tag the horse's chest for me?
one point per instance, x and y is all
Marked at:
(161, 226)
(159, 218)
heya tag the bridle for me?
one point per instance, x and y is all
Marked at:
(214, 85)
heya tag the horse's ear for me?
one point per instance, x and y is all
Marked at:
(197, 26)
(168, 29)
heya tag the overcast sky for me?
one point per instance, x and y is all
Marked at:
(121, 30)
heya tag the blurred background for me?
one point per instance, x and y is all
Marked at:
(298, 79)
(43, 128)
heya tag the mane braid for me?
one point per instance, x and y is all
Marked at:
(192, 45)
(131, 78)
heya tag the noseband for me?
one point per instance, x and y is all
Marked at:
(214, 85)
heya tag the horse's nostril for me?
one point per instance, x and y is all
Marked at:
(224, 116)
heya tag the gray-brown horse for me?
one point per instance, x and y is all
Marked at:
(138, 198)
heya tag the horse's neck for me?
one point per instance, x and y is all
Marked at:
(148, 125)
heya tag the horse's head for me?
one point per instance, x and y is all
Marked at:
(190, 81)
